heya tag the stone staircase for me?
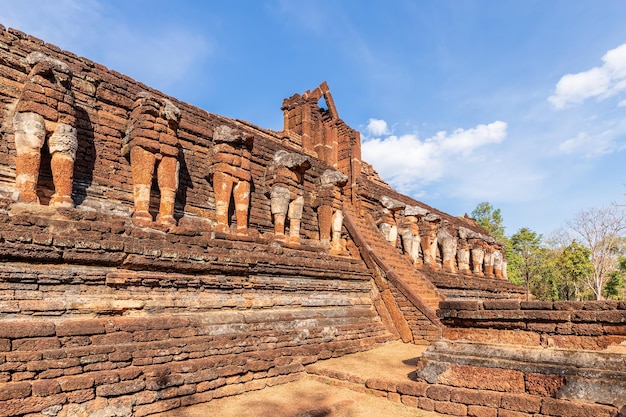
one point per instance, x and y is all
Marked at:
(397, 268)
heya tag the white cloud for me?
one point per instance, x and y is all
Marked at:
(377, 127)
(587, 145)
(601, 82)
(408, 162)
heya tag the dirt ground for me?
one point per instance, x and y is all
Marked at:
(303, 398)
(309, 397)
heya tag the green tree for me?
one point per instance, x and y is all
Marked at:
(489, 219)
(601, 230)
(614, 288)
(572, 270)
(526, 244)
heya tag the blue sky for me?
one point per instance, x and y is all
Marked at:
(519, 103)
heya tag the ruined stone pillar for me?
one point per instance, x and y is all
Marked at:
(428, 232)
(285, 178)
(387, 226)
(45, 107)
(477, 256)
(463, 256)
(336, 244)
(230, 165)
(142, 166)
(488, 262)
(151, 141)
(167, 180)
(325, 220)
(448, 245)
(497, 264)
(330, 185)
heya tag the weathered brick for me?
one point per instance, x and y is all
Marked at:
(19, 329)
(79, 382)
(81, 396)
(79, 327)
(480, 411)
(543, 385)
(565, 408)
(157, 407)
(15, 390)
(426, 404)
(45, 365)
(438, 393)
(475, 397)
(501, 304)
(36, 344)
(381, 384)
(521, 402)
(120, 388)
(165, 381)
(493, 379)
(453, 409)
(509, 413)
(23, 406)
(45, 387)
(409, 400)
(416, 389)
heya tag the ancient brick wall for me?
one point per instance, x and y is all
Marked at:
(102, 176)
(592, 325)
(516, 358)
(98, 313)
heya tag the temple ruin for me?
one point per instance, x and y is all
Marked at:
(155, 255)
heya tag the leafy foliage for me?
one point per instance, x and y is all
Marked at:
(588, 261)
(489, 219)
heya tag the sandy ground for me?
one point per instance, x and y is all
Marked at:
(309, 397)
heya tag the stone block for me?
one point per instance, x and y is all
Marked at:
(120, 388)
(448, 408)
(587, 329)
(164, 381)
(542, 327)
(409, 400)
(564, 408)
(475, 397)
(480, 411)
(381, 384)
(510, 413)
(45, 387)
(612, 316)
(426, 404)
(501, 304)
(157, 407)
(584, 316)
(460, 305)
(438, 393)
(81, 396)
(78, 382)
(518, 337)
(15, 390)
(19, 329)
(415, 389)
(24, 406)
(79, 327)
(36, 344)
(521, 402)
(617, 330)
(543, 385)
(492, 379)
